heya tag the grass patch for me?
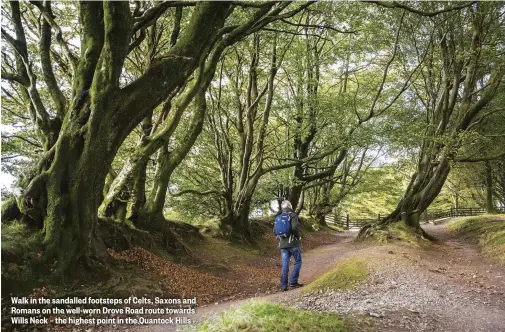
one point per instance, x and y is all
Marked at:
(260, 316)
(344, 275)
(487, 230)
(399, 231)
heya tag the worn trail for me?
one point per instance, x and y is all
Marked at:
(315, 262)
(446, 287)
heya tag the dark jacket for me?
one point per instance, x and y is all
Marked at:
(294, 240)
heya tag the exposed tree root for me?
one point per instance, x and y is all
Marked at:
(34, 265)
(374, 230)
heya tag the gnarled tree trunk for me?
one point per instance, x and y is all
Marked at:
(453, 109)
(67, 187)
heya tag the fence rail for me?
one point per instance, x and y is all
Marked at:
(348, 222)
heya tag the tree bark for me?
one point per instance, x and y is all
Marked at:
(67, 190)
(167, 162)
(489, 188)
(236, 223)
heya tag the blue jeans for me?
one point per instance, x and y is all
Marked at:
(286, 256)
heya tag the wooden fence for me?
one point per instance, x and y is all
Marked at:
(349, 222)
(453, 212)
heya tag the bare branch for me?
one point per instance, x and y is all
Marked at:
(10, 157)
(49, 17)
(251, 4)
(196, 192)
(15, 78)
(36, 144)
(397, 4)
(386, 70)
(150, 16)
(475, 160)
(315, 26)
(47, 68)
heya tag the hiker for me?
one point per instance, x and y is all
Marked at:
(286, 229)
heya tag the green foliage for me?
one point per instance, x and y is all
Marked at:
(344, 275)
(378, 193)
(487, 230)
(261, 316)
(465, 187)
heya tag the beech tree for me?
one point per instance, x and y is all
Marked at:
(310, 134)
(293, 100)
(366, 91)
(96, 109)
(461, 77)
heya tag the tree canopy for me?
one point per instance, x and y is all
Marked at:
(133, 113)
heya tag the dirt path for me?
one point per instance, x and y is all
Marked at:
(448, 287)
(314, 263)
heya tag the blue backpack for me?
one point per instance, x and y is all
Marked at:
(282, 225)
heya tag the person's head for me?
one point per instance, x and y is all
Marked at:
(286, 205)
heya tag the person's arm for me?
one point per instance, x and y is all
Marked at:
(295, 225)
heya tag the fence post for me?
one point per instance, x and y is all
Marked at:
(471, 213)
(347, 221)
(452, 213)
(379, 217)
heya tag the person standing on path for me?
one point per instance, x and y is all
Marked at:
(287, 231)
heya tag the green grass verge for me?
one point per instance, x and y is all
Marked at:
(261, 316)
(399, 231)
(342, 276)
(487, 230)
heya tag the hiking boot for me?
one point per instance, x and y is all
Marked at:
(295, 285)
(284, 289)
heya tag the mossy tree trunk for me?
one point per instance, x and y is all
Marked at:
(80, 140)
(167, 162)
(424, 187)
(238, 222)
(139, 182)
(66, 190)
(306, 114)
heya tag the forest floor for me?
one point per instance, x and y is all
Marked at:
(443, 286)
(448, 286)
